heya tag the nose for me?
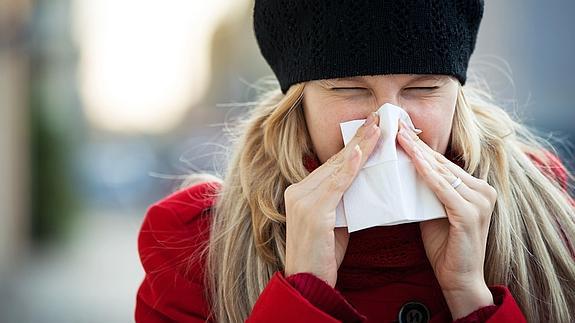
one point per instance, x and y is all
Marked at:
(386, 92)
(386, 89)
(392, 96)
(382, 99)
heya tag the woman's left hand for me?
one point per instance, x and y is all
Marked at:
(455, 246)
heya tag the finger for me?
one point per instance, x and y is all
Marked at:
(369, 143)
(438, 184)
(469, 180)
(330, 191)
(411, 147)
(464, 190)
(475, 184)
(366, 138)
(450, 198)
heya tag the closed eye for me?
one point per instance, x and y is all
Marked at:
(423, 88)
(347, 88)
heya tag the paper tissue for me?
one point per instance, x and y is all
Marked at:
(388, 190)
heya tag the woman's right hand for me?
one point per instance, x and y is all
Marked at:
(313, 244)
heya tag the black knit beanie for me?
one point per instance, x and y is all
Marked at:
(305, 40)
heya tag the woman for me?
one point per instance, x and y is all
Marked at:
(262, 246)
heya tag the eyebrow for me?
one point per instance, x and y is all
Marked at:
(426, 78)
(423, 77)
(418, 78)
(331, 82)
(352, 78)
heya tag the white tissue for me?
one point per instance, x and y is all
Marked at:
(388, 190)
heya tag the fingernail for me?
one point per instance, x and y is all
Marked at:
(414, 129)
(410, 127)
(370, 119)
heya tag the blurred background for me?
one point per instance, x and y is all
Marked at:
(105, 105)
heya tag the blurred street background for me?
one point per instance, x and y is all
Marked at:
(105, 106)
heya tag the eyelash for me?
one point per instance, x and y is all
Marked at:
(426, 88)
(347, 88)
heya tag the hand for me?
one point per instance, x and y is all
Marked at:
(313, 244)
(455, 246)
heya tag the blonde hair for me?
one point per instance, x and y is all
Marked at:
(528, 248)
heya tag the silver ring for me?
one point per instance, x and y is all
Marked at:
(456, 182)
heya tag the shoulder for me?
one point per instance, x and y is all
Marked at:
(185, 205)
(175, 229)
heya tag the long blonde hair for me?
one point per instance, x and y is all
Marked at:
(530, 237)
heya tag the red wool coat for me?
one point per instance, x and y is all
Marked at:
(176, 227)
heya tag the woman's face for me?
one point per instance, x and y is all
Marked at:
(428, 99)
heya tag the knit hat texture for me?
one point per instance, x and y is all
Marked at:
(305, 40)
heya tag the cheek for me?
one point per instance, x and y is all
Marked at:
(323, 132)
(326, 136)
(323, 126)
(435, 121)
(436, 130)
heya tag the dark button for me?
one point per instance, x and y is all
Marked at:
(413, 312)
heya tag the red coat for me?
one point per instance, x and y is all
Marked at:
(175, 228)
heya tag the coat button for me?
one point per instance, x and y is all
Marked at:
(413, 312)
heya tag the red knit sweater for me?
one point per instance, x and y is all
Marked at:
(384, 268)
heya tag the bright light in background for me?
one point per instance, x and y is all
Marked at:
(144, 62)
